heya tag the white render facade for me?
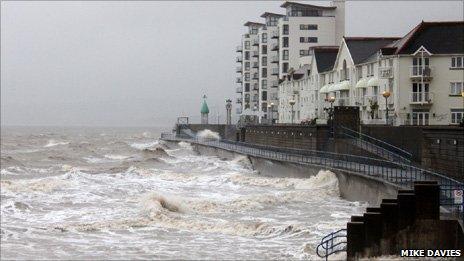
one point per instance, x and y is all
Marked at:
(280, 43)
(425, 87)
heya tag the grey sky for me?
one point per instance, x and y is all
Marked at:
(145, 63)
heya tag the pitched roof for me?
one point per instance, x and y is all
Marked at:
(253, 24)
(361, 48)
(436, 37)
(266, 14)
(287, 3)
(325, 57)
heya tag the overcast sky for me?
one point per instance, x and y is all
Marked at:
(145, 63)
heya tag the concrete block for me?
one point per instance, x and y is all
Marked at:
(355, 240)
(372, 232)
(406, 210)
(357, 218)
(427, 200)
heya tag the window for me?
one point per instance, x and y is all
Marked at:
(247, 66)
(285, 29)
(284, 67)
(247, 76)
(264, 61)
(247, 45)
(253, 30)
(264, 49)
(285, 55)
(285, 42)
(360, 72)
(247, 55)
(457, 115)
(308, 26)
(457, 62)
(304, 52)
(247, 87)
(456, 88)
(370, 69)
(308, 39)
(264, 38)
(264, 84)
(264, 96)
(264, 72)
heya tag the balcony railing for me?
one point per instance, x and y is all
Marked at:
(255, 76)
(239, 100)
(274, 84)
(239, 48)
(255, 42)
(239, 59)
(275, 59)
(239, 80)
(238, 69)
(275, 71)
(420, 71)
(274, 47)
(239, 89)
(255, 64)
(385, 72)
(345, 101)
(255, 53)
(421, 98)
(254, 99)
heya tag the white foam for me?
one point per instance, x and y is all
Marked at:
(208, 135)
(146, 145)
(116, 157)
(53, 143)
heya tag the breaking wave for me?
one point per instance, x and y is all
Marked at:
(208, 135)
(53, 143)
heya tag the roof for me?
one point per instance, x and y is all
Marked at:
(362, 48)
(253, 24)
(204, 108)
(266, 14)
(436, 37)
(288, 3)
(325, 57)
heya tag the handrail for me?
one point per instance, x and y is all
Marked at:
(327, 243)
(381, 143)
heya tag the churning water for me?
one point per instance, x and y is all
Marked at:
(123, 194)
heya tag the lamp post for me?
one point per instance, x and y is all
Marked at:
(331, 113)
(386, 94)
(292, 102)
(229, 111)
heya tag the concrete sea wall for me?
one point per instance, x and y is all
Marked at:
(352, 186)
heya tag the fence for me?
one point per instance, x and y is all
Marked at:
(398, 173)
(332, 243)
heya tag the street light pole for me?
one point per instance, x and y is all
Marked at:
(292, 102)
(386, 94)
(331, 114)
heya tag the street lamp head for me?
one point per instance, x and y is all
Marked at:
(331, 99)
(386, 94)
(269, 106)
(292, 102)
(462, 94)
(272, 104)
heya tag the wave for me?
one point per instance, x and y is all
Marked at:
(53, 143)
(146, 145)
(208, 135)
(45, 185)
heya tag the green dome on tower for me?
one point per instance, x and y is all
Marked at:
(204, 106)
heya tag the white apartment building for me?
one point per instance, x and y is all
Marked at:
(308, 25)
(277, 46)
(423, 73)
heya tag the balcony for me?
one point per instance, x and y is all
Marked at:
(345, 101)
(239, 100)
(239, 80)
(239, 48)
(385, 72)
(238, 111)
(419, 72)
(255, 76)
(255, 87)
(275, 35)
(254, 99)
(275, 71)
(238, 69)
(275, 59)
(239, 89)
(255, 65)
(421, 98)
(274, 47)
(274, 84)
(239, 59)
(255, 42)
(255, 54)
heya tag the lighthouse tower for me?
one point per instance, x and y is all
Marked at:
(204, 111)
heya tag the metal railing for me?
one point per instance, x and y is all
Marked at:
(332, 243)
(421, 97)
(376, 146)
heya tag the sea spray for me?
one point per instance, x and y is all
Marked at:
(208, 135)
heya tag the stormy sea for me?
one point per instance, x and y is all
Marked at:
(121, 193)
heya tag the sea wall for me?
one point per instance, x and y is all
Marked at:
(352, 186)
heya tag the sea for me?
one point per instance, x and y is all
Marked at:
(121, 193)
